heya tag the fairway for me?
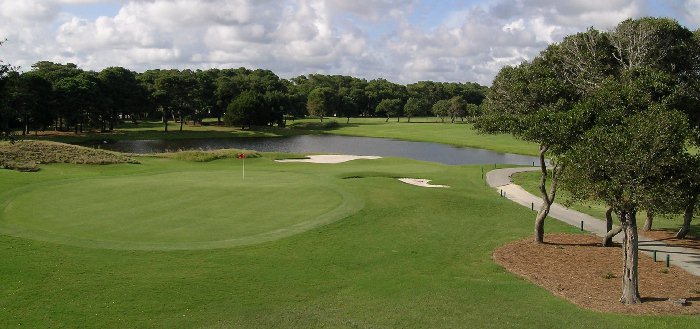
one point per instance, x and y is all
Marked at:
(179, 210)
(178, 244)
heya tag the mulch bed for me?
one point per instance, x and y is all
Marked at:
(577, 268)
(669, 237)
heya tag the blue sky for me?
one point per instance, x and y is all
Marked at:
(93, 10)
(400, 40)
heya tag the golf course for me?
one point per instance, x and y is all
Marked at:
(168, 242)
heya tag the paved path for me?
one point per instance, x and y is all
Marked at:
(686, 258)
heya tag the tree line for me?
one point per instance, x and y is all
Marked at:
(617, 113)
(66, 98)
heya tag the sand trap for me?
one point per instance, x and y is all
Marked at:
(420, 182)
(331, 158)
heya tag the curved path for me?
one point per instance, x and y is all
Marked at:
(686, 258)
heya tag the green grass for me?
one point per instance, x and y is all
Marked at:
(419, 129)
(407, 257)
(531, 180)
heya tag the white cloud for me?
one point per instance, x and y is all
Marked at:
(366, 38)
(690, 11)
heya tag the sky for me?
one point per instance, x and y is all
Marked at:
(403, 41)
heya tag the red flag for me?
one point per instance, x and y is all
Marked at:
(241, 156)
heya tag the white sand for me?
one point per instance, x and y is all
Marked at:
(331, 158)
(420, 182)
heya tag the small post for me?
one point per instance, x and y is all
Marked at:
(533, 163)
(500, 192)
(581, 225)
(504, 194)
(654, 254)
(532, 206)
(494, 165)
(482, 172)
(242, 156)
(668, 260)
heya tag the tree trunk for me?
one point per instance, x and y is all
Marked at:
(687, 218)
(321, 118)
(539, 222)
(630, 249)
(649, 221)
(409, 119)
(607, 239)
(182, 120)
(387, 119)
(398, 119)
(347, 122)
(547, 199)
(25, 121)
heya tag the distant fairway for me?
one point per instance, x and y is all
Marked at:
(177, 210)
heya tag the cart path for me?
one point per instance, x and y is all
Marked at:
(500, 179)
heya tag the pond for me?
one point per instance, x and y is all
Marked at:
(330, 144)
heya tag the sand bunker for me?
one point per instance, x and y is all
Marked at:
(420, 182)
(331, 158)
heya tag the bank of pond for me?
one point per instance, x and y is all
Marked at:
(423, 151)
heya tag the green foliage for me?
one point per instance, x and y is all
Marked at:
(629, 166)
(415, 107)
(390, 108)
(320, 102)
(242, 110)
(441, 109)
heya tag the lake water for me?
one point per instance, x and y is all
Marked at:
(330, 144)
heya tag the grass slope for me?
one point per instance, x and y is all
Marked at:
(27, 155)
(410, 258)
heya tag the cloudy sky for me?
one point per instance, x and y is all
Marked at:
(401, 40)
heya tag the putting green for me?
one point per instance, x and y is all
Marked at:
(177, 210)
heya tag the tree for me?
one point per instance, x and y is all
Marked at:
(639, 115)
(457, 108)
(174, 90)
(472, 110)
(275, 104)
(78, 99)
(629, 166)
(689, 182)
(441, 109)
(241, 111)
(5, 117)
(28, 96)
(415, 107)
(390, 107)
(319, 102)
(123, 94)
(347, 107)
(532, 102)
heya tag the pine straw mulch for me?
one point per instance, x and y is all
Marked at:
(577, 268)
(669, 237)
